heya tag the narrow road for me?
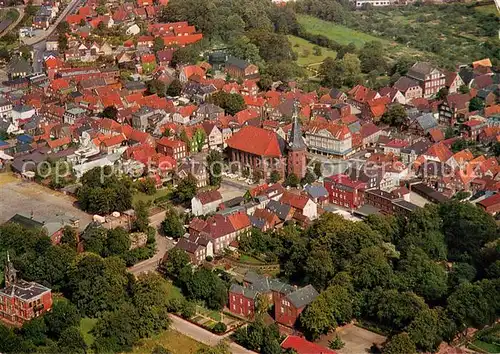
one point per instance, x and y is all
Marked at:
(33, 40)
(13, 25)
(163, 244)
(203, 336)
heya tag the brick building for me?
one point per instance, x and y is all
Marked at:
(21, 301)
(173, 148)
(345, 192)
(296, 147)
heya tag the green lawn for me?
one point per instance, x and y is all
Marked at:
(175, 293)
(340, 34)
(488, 347)
(86, 325)
(249, 259)
(488, 9)
(215, 315)
(305, 52)
(174, 342)
(146, 198)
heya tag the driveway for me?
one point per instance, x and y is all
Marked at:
(204, 336)
(163, 244)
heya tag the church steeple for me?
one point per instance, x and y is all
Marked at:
(296, 147)
(10, 273)
(295, 140)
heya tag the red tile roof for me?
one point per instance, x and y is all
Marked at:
(257, 141)
(490, 201)
(59, 142)
(239, 220)
(209, 197)
(294, 200)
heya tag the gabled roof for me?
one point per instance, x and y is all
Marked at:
(294, 200)
(257, 141)
(404, 83)
(209, 197)
(303, 296)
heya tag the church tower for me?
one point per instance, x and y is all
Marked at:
(10, 273)
(296, 147)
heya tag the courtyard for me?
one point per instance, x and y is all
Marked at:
(31, 199)
(357, 340)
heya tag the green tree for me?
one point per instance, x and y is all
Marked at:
(158, 44)
(442, 93)
(174, 89)
(476, 104)
(232, 103)
(464, 89)
(496, 149)
(400, 343)
(186, 189)
(94, 239)
(141, 220)
(309, 178)
(370, 268)
(317, 169)
(292, 180)
(63, 27)
(395, 115)
(71, 341)
(185, 55)
(424, 330)
(372, 57)
(156, 86)
(214, 167)
(117, 242)
(35, 331)
(63, 315)
(110, 112)
(172, 225)
(175, 260)
(62, 42)
(317, 51)
(275, 176)
(336, 343)
(69, 237)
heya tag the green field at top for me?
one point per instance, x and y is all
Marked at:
(337, 33)
(488, 9)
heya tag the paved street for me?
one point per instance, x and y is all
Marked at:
(14, 24)
(204, 336)
(71, 7)
(163, 244)
(38, 51)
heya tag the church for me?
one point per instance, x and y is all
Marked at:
(21, 301)
(265, 151)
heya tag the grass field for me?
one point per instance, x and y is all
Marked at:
(305, 51)
(147, 198)
(174, 342)
(488, 9)
(249, 259)
(340, 34)
(488, 347)
(86, 325)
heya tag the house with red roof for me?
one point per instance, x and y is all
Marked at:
(206, 202)
(171, 147)
(344, 191)
(359, 95)
(453, 108)
(257, 148)
(491, 205)
(329, 138)
(301, 203)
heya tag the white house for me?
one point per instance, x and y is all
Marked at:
(133, 30)
(5, 108)
(206, 202)
(22, 112)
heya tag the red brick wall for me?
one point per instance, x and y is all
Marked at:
(240, 305)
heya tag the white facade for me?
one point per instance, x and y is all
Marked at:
(202, 209)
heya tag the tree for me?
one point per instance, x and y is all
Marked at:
(275, 176)
(82, 23)
(351, 66)
(62, 42)
(158, 44)
(372, 58)
(214, 166)
(141, 220)
(186, 189)
(309, 178)
(442, 93)
(176, 260)
(94, 239)
(400, 343)
(219, 328)
(110, 112)
(69, 237)
(370, 268)
(172, 225)
(464, 89)
(185, 55)
(117, 242)
(395, 116)
(496, 149)
(331, 308)
(424, 330)
(232, 103)
(63, 315)
(174, 89)
(71, 341)
(336, 343)
(35, 331)
(146, 185)
(156, 86)
(292, 180)
(63, 27)
(317, 169)
(476, 104)
(317, 51)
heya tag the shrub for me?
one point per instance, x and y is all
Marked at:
(209, 258)
(188, 309)
(219, 328)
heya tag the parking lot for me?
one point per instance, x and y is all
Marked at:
(29, 198)
(357, 340)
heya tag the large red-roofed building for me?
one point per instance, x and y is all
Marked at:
(345, 192)
(303, 346)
